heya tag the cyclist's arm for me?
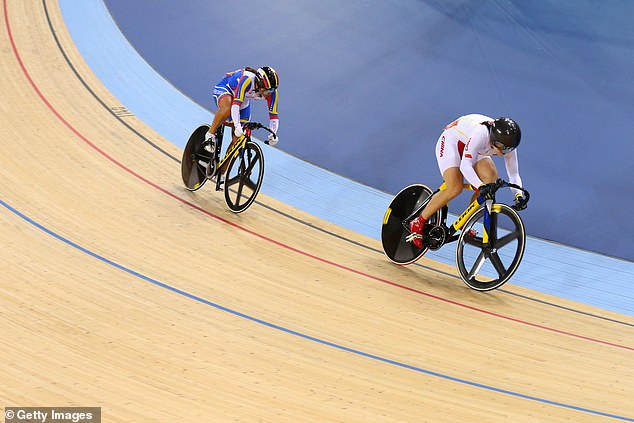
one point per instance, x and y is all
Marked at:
(274, 120)
(244, 84)
(235, 114)
(467, 167)
(470, 157)
(513, 170)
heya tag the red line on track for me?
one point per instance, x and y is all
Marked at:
(286, 246)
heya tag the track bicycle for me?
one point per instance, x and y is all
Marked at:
(242, 179)
(491, 236)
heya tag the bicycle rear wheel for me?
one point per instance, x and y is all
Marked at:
(484, 267)
(244, 177)
(195, 159)
(395, 229)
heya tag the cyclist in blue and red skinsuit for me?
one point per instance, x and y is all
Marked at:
(232, 96)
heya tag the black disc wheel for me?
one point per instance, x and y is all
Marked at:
(243, 178)
(395, 229)
(484, 266)
(195, 159)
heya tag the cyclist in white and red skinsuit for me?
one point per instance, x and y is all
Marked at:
(464, 151)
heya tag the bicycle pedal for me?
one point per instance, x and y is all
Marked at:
(209, 147)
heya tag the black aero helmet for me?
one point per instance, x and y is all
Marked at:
(505, 134)
(266, 78)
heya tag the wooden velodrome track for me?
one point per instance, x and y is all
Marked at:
(122, 290)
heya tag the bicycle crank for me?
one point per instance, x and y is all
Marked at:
(436, 237)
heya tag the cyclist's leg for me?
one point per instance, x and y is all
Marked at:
(223, 100)
(486, 171)
(454, 186)
(448, 159)
(245, 116)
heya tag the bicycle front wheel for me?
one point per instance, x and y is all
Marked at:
(244, 177)
(486, 266)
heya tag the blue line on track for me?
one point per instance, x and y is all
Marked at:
(302, 335)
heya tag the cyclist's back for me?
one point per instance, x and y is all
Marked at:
(463, 129)
(242, 85)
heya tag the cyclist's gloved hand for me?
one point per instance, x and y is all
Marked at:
(273, 139)
(238, 130)
(210, 137)
(487, 191)
(520, 202)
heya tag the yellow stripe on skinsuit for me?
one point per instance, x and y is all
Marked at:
(244, 89)
(461, 133)
(454, 124)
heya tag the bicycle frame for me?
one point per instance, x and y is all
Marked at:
(450, 232)
(241, 143)
(234, 150)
